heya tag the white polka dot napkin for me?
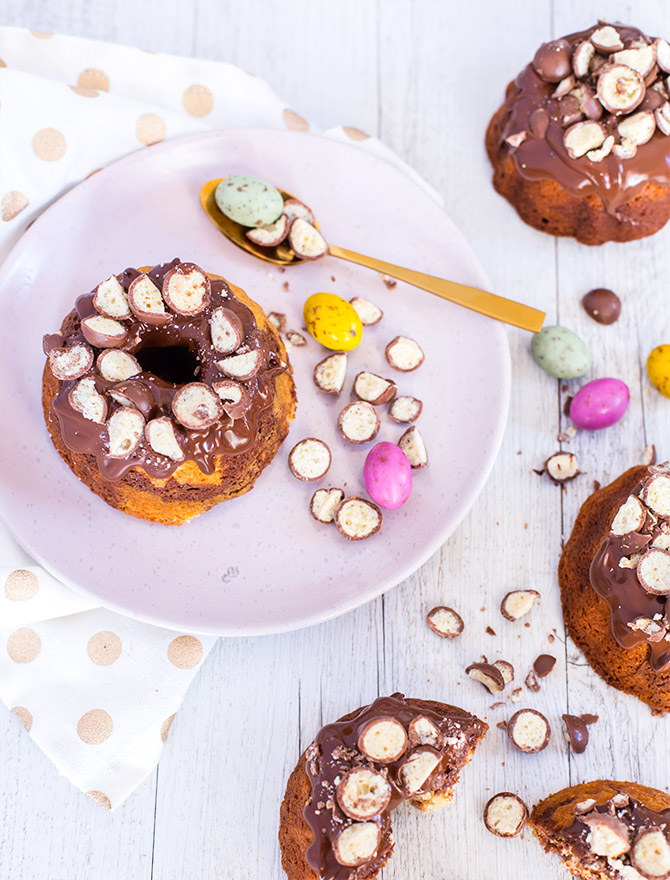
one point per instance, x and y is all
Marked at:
(97, 691)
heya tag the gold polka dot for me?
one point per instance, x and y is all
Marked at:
(198, 100)
(295, 122)
(95, 726)
(12, 204)
(2, 63)
(24, 645)
(24, 716)
(41, 36)
(21, 585)
(100, 799)
(165, 726)
(150, 129)
(49, 145)
(104, 648)
(93, 79)
(84, 92)
(355, 133)
(185, 652)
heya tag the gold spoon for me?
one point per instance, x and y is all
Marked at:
(498, 307)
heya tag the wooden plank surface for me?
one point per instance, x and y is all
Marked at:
(426, 77)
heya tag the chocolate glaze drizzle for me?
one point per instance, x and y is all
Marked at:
(334, 752)
(153, 395)
(627, 599)
(615, 180)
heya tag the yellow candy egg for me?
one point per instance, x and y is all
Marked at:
(333, 321)
(658, 369)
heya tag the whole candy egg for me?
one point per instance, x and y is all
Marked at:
(388, 475)
(333, 321)
(658, 369)
(248, 200)
(560, 352)
(599, 404)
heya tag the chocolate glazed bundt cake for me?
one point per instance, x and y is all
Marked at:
(580, 145)
(336, 816)
(167, 391)
(614, 576)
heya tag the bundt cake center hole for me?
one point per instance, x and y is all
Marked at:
(174, 363)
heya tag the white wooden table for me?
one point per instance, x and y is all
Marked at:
(425, 77)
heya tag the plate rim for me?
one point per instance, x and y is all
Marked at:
(403, 572)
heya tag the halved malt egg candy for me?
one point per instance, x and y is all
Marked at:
(270, 236)
(329, 374)
(608, 835)
(656, 493)
(373, 388)
(187, 289)
(583, 138)
(136, 394)
(505, 814)
(125, 429)
(620, 88)
(71, 362)
(529, 731)
(630, 517)
(324, 503)
(196, 406)
(101, 332)
(650, 853)
(383, 740)
(357, 519)
(416, 771)
(309, 459)
(424, 732)
(162, 438)
(387, 475)
(488, 675)
(641, 58)
(86, 399)
(518, 603)
(277, 319)
(242, 365)
(581, 58)
(296, 339)
(234, 396)
(638, 128)
(404, 354)
(367, 311)
(359, 422)
(332, 321)
(506, 670)
(663, 54)
(653, 571)
(357, 843)
(577, 733)
(445, 622)
(306, 241)
(363, 793)
(111, 300)
(414, 448)
(606, 39)
(226, 330)
(294, 208)
(405, 409)
(146, 302)
(117, 366)
(561, 467)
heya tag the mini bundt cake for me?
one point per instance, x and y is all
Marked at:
(606, 830)
(336, 815)
(167, 391)
(614, 576)
(580, 145)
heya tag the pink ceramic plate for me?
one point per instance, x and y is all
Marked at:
(258, 564)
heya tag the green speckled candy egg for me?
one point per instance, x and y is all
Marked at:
(560, 352)
(249, 201)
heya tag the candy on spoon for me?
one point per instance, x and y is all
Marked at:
(249, 201)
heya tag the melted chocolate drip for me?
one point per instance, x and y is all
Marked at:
(153, 395)
(334, 752)
(544, 157)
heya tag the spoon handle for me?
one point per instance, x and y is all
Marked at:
(506, 310)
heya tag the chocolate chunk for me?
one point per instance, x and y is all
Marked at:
(587, 718)
(578, 733)
(602, 304)
(543, 665)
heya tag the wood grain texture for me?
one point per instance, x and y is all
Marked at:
(425, 76)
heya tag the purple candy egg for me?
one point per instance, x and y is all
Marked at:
(599, 404)
(388, 475)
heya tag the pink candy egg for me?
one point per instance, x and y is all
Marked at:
(599, 404)
(388, 475)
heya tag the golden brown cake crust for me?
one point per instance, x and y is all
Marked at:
(556, 813)
(295, 835)
(587, 615)
(188, 492)
(547, 206)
